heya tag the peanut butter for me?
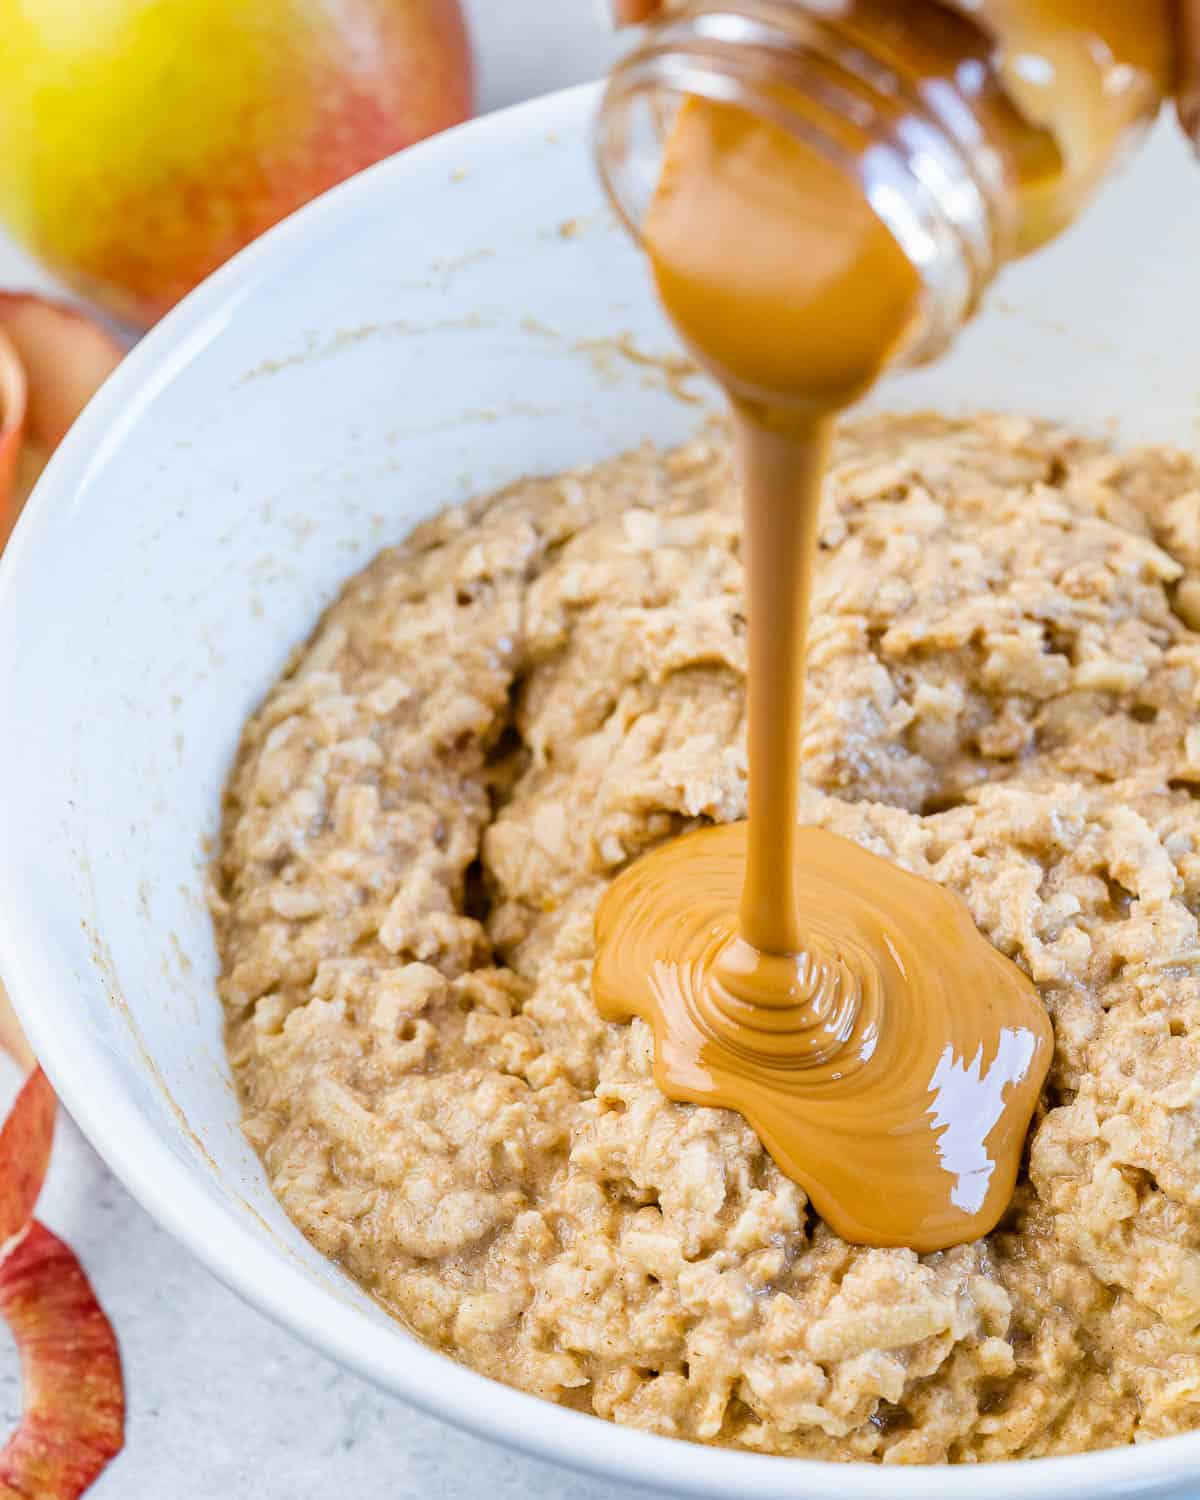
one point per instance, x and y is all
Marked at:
(888, 1057)
(1082, 71)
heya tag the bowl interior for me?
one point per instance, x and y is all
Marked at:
(456, 318)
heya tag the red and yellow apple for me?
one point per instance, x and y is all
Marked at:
(142, 143)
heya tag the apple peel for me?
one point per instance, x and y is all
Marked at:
(12, 1038)
(67, 356)
(14, 394)
(74, 1417)
(25, 1143)
(53, 359)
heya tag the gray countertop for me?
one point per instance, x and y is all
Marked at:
(221, 1402)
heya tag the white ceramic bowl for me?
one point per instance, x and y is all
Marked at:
(412, 338)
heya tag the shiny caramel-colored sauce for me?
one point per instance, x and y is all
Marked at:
(890, 1064)
(888, 1056)
(1055, 86)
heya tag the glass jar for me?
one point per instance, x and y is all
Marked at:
(977, 131)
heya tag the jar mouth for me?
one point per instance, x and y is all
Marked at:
(922, 163)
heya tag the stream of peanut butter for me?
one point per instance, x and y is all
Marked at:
(887, 1055)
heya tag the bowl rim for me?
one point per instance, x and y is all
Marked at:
(168, 1188)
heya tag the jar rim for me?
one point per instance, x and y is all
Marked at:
(944, 202)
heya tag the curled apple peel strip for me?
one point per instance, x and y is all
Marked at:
(73, 1420)
(14, 391)
(74, 1415)
(52, 360)
(25, 1142)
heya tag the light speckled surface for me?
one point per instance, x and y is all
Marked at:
(222, 1403)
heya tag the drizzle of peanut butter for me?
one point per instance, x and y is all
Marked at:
(888, 1056)
(890, 1065)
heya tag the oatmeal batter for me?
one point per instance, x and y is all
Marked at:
(496, 717)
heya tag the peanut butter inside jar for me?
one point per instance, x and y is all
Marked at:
(887, 1055)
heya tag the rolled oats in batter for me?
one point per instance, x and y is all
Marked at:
(499, 714)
